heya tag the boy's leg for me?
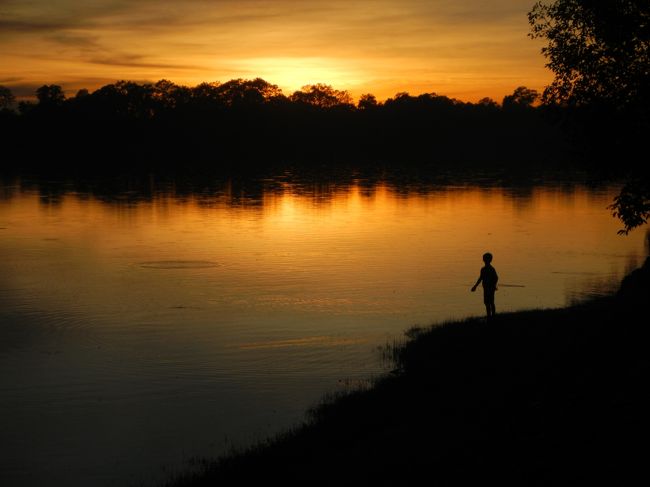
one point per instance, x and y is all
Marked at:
(488, 299)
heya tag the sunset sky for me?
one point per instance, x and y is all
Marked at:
(465, 49)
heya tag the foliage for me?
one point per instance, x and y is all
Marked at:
(321, 95)
(50, 95)
(488, 102)
(632, 205)
(367, 101)
(522, 97)
(7, 98)
(247, 92)
(598, 50)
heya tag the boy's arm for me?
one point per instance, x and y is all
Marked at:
(480, 278)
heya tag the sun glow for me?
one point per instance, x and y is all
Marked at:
(292, 73)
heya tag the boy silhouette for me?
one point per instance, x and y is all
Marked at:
(489, 279)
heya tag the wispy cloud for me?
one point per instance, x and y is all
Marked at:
(12, 26)
(75, 39)
(137, 61)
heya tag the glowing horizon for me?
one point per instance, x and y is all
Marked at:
(465, 50)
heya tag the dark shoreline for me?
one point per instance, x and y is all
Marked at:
(542, 397)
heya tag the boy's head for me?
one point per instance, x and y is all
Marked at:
(487, 257)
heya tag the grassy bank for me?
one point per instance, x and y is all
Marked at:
(546, 397)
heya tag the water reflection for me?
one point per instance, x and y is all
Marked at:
(165, 316)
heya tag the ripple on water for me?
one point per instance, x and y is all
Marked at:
(178, 264)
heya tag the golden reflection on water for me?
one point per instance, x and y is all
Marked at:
(354, 249)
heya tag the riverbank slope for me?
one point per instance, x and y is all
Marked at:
(545, 397)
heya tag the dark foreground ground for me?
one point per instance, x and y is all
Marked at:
(550, 397)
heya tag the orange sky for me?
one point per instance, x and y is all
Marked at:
(466, 49)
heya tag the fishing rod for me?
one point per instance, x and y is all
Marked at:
(505, 285)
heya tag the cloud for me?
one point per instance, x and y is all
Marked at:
(86, 41)
(9, 80)
(138, 61)
(9, 26)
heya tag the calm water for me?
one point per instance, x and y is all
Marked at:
(137, 331)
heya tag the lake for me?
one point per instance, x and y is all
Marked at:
(149, 324)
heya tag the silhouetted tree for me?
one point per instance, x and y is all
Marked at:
(7, 98)
(632, 205)
(322, 96)
(247, 92)
(169, 96)
(367, 101)
(522, 97)
(598, 50)
(205, 97)
(126, 99)
(487, 102)
(402, 98)
(50, 96)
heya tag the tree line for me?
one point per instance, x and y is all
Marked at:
(158, 123)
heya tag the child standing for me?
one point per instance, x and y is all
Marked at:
(489, 279)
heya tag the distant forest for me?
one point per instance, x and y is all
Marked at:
(164, 125)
